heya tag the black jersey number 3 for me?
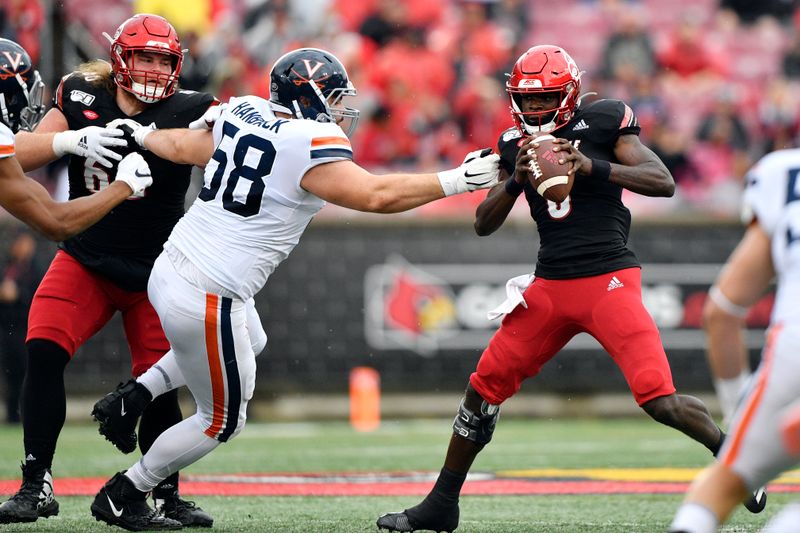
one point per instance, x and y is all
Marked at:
(255, 175)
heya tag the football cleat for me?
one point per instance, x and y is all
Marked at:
(419, 519)
(756, 503)
(184, 511)
(34, 499)
(118, 413)
(120, 503)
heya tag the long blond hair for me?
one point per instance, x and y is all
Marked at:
(98, 73)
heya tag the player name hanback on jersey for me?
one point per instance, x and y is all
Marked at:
(255, 117)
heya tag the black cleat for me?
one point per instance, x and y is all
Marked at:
(185, 512)
(756, 503)
(118, 413)
(120, 503)
(34, 499)
(415, 519)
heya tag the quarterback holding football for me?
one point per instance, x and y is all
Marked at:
(586, 280)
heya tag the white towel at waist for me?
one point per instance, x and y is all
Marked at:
(514, 289)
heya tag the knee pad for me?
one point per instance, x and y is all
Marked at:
(477, 427)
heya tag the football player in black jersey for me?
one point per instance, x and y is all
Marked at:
(21, 108)
(586, 279)
(104, 269)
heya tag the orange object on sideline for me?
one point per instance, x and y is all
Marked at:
(365, 398)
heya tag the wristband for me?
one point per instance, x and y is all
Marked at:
(513, 187)
(140, 133)
(61, 142)
(601, 170)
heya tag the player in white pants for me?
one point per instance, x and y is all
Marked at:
(166, 375)
(765, 436)
(270, 167)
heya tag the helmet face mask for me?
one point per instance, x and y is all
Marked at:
(310, 83)
(21, 88)
(543, 70)
(151, 34)
(32, 114)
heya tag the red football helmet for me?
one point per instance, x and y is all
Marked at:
(145, 33)
(544, 69)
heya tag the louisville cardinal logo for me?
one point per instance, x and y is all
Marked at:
(416, 307)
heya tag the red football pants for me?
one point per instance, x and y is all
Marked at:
(72, 304)
(613, 313)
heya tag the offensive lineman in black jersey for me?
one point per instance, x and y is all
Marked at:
(105, 269)
(586, 279)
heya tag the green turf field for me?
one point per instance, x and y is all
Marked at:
(407, 445)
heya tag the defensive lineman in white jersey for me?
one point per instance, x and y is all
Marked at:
(270, 167)
(260, 225)
(765, 436)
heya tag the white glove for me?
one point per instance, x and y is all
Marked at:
(130, 127)
(209, 118)
(480, 170)
(134, 171)
(90, 142)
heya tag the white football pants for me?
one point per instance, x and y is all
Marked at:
(765, 433)
(165, 375)
(212, 350)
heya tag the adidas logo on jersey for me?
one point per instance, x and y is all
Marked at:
(615, 284)
(581, 125)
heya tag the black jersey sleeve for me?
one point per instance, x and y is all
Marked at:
(74, 87)
(190, 105)
(609, 119)
(507, 147)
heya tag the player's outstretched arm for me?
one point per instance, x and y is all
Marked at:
(183, 146)
(53, 139)
(346, 184)
(744, 279)
(28, 201)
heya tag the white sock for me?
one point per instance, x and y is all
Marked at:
(694, 518)
(787, 521)
(729, 391)
(141, 478)
(176, 448)
(163, 376)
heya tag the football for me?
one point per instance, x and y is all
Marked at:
(550, 178)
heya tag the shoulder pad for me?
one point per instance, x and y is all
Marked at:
(609, 118)
(74, 87)
(328, 141)
(510, 134)
(611, 112)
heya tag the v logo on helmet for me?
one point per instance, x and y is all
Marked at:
(15, 61)
(311, 70)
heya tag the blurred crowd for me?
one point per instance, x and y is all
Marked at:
(714, 82)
